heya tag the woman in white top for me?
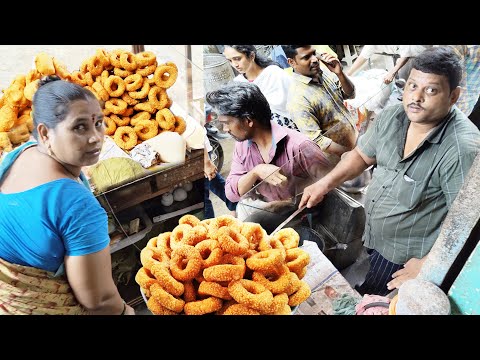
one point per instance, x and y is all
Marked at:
(272, 80)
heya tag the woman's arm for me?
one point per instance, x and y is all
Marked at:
(90, 277)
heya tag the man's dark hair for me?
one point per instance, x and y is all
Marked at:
(440, 61)
(291, 50)
(241, 100)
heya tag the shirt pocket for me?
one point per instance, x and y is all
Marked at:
(411, 191)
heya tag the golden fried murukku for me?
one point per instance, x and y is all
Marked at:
(95, 65)
(125, 137)
(142, 93)
(116, 105)
(165, 119)
(165, 75)
(288, 237)
(157, 309)
(266, 260)
(202, 307)
(180, 125)
(111, 126)
(145, 58)
(210, 252)
(232, 241)
(252, 294)
(157, 97)
(276, 281)
(166, 299)
(147, 70)
(146, 129)
(231, 267)
(128, 61)
(186, 262)
(133, 82)
(120, 121)
(300, 295)
(212, 288)
(143, 115)
(100, 90)
(115, 86)
(123, 73)
(166, 280)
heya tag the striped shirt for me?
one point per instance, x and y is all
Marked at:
(318, 107)
(470, 83)
(408, 199)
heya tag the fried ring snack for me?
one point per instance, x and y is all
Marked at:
(163, 243)
(275, 281)
(95, 65)
(145, 106)
(128, 61)
(165, 119)
(169, 102)
(5, 143)
(89, 79)
(115, 57)
(125, 137)
(240, 309)
(212, 288)
(123, 121)
(165, 75)
(190, 293)
(142, 93)
(8, 117)
(201, 307)
(288, 237)
(253, 232)
(116, 105)
(157, 97)
(121, 72)
(186, 263)
(146, 129)
(268, 243)
(210, 252)
(180, 125)
(294, 284)
(61, 70)
(232, 241)
(166, 299)
(133, 82)
(148, 258)
(129, 100)
(145, 278)
(252, 294)
(143, 115)
(103, 57)
(300, 295)
(44, 64)
(111, 126)
(147, 70)
(100, 90)
(266, 261)
(177, 235)
(220, 221)
(189, 219)
(166, 280)
(296, 260)
(128, 111)
(230, 268)
(114, 85)
(30, 89)
(279, 305)
(78, 78)
(32, 75)
(195, 235)
(157, 309)
(145, 58)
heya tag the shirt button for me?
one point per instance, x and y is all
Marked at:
(373, 200)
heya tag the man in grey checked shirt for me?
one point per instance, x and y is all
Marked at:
(423, 150)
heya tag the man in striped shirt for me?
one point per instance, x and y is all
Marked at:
(423, 150)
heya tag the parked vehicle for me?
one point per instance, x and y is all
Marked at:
(215, 135)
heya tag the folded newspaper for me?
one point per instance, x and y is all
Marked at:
(325, 281)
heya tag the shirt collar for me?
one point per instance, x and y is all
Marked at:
(278, 133)
(306, 79)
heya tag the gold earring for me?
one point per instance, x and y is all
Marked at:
(49, 150)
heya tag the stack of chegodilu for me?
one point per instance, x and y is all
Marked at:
(133, 88)
(225, 267)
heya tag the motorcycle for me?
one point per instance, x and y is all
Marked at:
(214, 136)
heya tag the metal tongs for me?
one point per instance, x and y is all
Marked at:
(295, 213)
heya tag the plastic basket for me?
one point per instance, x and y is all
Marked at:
(216, 71)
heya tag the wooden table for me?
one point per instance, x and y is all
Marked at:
(153, 185)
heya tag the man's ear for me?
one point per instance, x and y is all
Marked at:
(249, 122)
(291, 62)
(455, 95)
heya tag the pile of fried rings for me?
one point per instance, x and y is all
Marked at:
(223, 266)
(133, 88)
